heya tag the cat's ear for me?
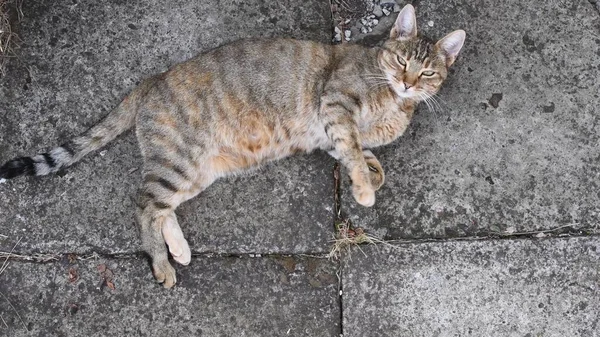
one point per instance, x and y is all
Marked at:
(406, 24)
(451, 44)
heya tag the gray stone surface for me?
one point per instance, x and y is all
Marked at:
(76, 61)
(530, 162)
(214, 297)
(519, 288)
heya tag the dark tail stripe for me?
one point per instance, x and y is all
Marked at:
(67, 147)
(17, 167)
(49, 160)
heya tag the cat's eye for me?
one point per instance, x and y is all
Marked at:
(428, 73)
(401, 61)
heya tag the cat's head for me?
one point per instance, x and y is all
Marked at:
(415, 66)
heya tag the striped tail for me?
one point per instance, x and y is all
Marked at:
(121, 119)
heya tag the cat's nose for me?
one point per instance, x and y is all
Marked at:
(407, 86)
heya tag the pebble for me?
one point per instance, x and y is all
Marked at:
(377, 11)
(430, 23)
(364, 25)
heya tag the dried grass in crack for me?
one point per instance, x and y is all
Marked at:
(348, 236)
(8, 39)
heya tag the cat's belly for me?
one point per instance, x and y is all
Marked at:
(247, 151)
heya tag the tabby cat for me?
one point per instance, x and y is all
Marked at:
(254, 101)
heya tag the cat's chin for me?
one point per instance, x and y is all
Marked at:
(405, 94)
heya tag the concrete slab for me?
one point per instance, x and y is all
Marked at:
(214, 297)
(513, 146)
(76, 61)
(484, 288)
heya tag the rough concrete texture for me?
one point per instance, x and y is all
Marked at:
(547, 288)
(215, 297)
(513, 144)
(77, 60)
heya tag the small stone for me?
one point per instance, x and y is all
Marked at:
(377, 11)
(375, 22)
(337, 37)
(430, 23)
(385, 11)
(363, 21)
(362, 30)
(495, 99)
(337, 30)
(347, 34)
(347, 21)
(370, 29)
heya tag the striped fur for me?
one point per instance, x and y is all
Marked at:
(240, 105)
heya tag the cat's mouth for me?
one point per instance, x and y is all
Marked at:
(403, 93)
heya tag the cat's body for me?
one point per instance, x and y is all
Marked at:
(253, 101)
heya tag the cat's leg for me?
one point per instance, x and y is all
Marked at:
(151, 219)
(165, 186)
(375, 170)
(343, 133)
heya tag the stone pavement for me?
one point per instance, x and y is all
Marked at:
(501, 180)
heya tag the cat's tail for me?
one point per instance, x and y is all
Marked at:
(121, 119)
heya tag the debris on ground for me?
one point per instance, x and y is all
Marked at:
(71, 309)
(348, 236)
(8, 39)
(107, 277)
(352, 17)
(73, 275)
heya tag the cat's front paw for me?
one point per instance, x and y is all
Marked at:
(364, 195)
(164, 273)
(376, 173)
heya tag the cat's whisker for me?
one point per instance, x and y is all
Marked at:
(378, 85)
(440, 102)
(431, 102)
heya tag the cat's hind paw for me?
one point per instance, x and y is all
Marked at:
(178, 245)
(164, 273)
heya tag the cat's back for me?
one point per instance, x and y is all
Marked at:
(258, 64)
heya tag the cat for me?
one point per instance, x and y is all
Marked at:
(253, 101)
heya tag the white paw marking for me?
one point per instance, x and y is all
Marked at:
(178, 245)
